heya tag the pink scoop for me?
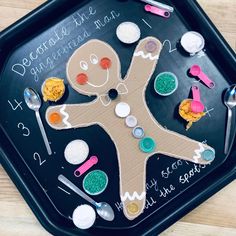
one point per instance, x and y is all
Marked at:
(86, 166)
(196, 70)
(196, 104)
(157, 11)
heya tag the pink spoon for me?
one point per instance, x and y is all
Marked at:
(196, 70)
(196, 104)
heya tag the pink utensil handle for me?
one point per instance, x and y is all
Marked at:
(196, 93)
(204, 78)
(86, 166)
(157, 11)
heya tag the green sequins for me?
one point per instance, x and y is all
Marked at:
(95, 182)
(165, 83)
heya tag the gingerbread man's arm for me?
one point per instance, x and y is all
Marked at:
(143, 63)
(74, 115)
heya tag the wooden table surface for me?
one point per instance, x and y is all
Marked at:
(216, 216)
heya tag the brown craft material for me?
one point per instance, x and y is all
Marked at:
(132, 161)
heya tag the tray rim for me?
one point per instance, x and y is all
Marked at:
(218, 183)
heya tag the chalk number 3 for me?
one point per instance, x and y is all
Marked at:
(25, 130)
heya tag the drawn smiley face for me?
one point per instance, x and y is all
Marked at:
(93, 68)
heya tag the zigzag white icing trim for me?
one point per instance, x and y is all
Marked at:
(65, 120)
(198, 152)
(135, 195)
(146, 56)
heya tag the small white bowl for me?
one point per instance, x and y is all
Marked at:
(194, 46)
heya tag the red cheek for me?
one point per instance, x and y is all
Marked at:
(105, 63)
(82, 79)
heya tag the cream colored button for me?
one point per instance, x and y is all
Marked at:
(131, 121)
(122, 109)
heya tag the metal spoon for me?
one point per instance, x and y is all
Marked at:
(230, 102)
(103, 209)
(33, 101)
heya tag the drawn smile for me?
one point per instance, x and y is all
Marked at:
(101, 85)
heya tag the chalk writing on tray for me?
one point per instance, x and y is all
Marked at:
(170, 49)
(80, 18)
(208, 112)
(186, 177)
(46, 55)
(58, 35)
(25, 130)
(18, 105)
(102, 22)
(62, 189)
(152, 184)
(147, 23)
(38, 158)
(150, 202)
(171, 169)
(165, 191)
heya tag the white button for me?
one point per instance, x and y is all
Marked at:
(76, 151)
(138, 132)
(131, 121)
(122, 109)
(84, 216)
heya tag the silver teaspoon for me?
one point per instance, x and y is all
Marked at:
(230, 103)
(103, 209)
(33, 101)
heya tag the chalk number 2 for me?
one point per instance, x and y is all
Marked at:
(38, 158)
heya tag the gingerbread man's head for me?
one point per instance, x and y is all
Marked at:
(93, 68)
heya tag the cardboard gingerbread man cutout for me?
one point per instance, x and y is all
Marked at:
(94, 69)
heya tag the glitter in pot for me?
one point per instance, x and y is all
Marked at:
(95, 182)
(128, 32)
(165, 83)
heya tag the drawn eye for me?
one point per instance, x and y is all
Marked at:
(93, 59)
(84, 65)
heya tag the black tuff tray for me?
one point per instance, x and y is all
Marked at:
(173, 187)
